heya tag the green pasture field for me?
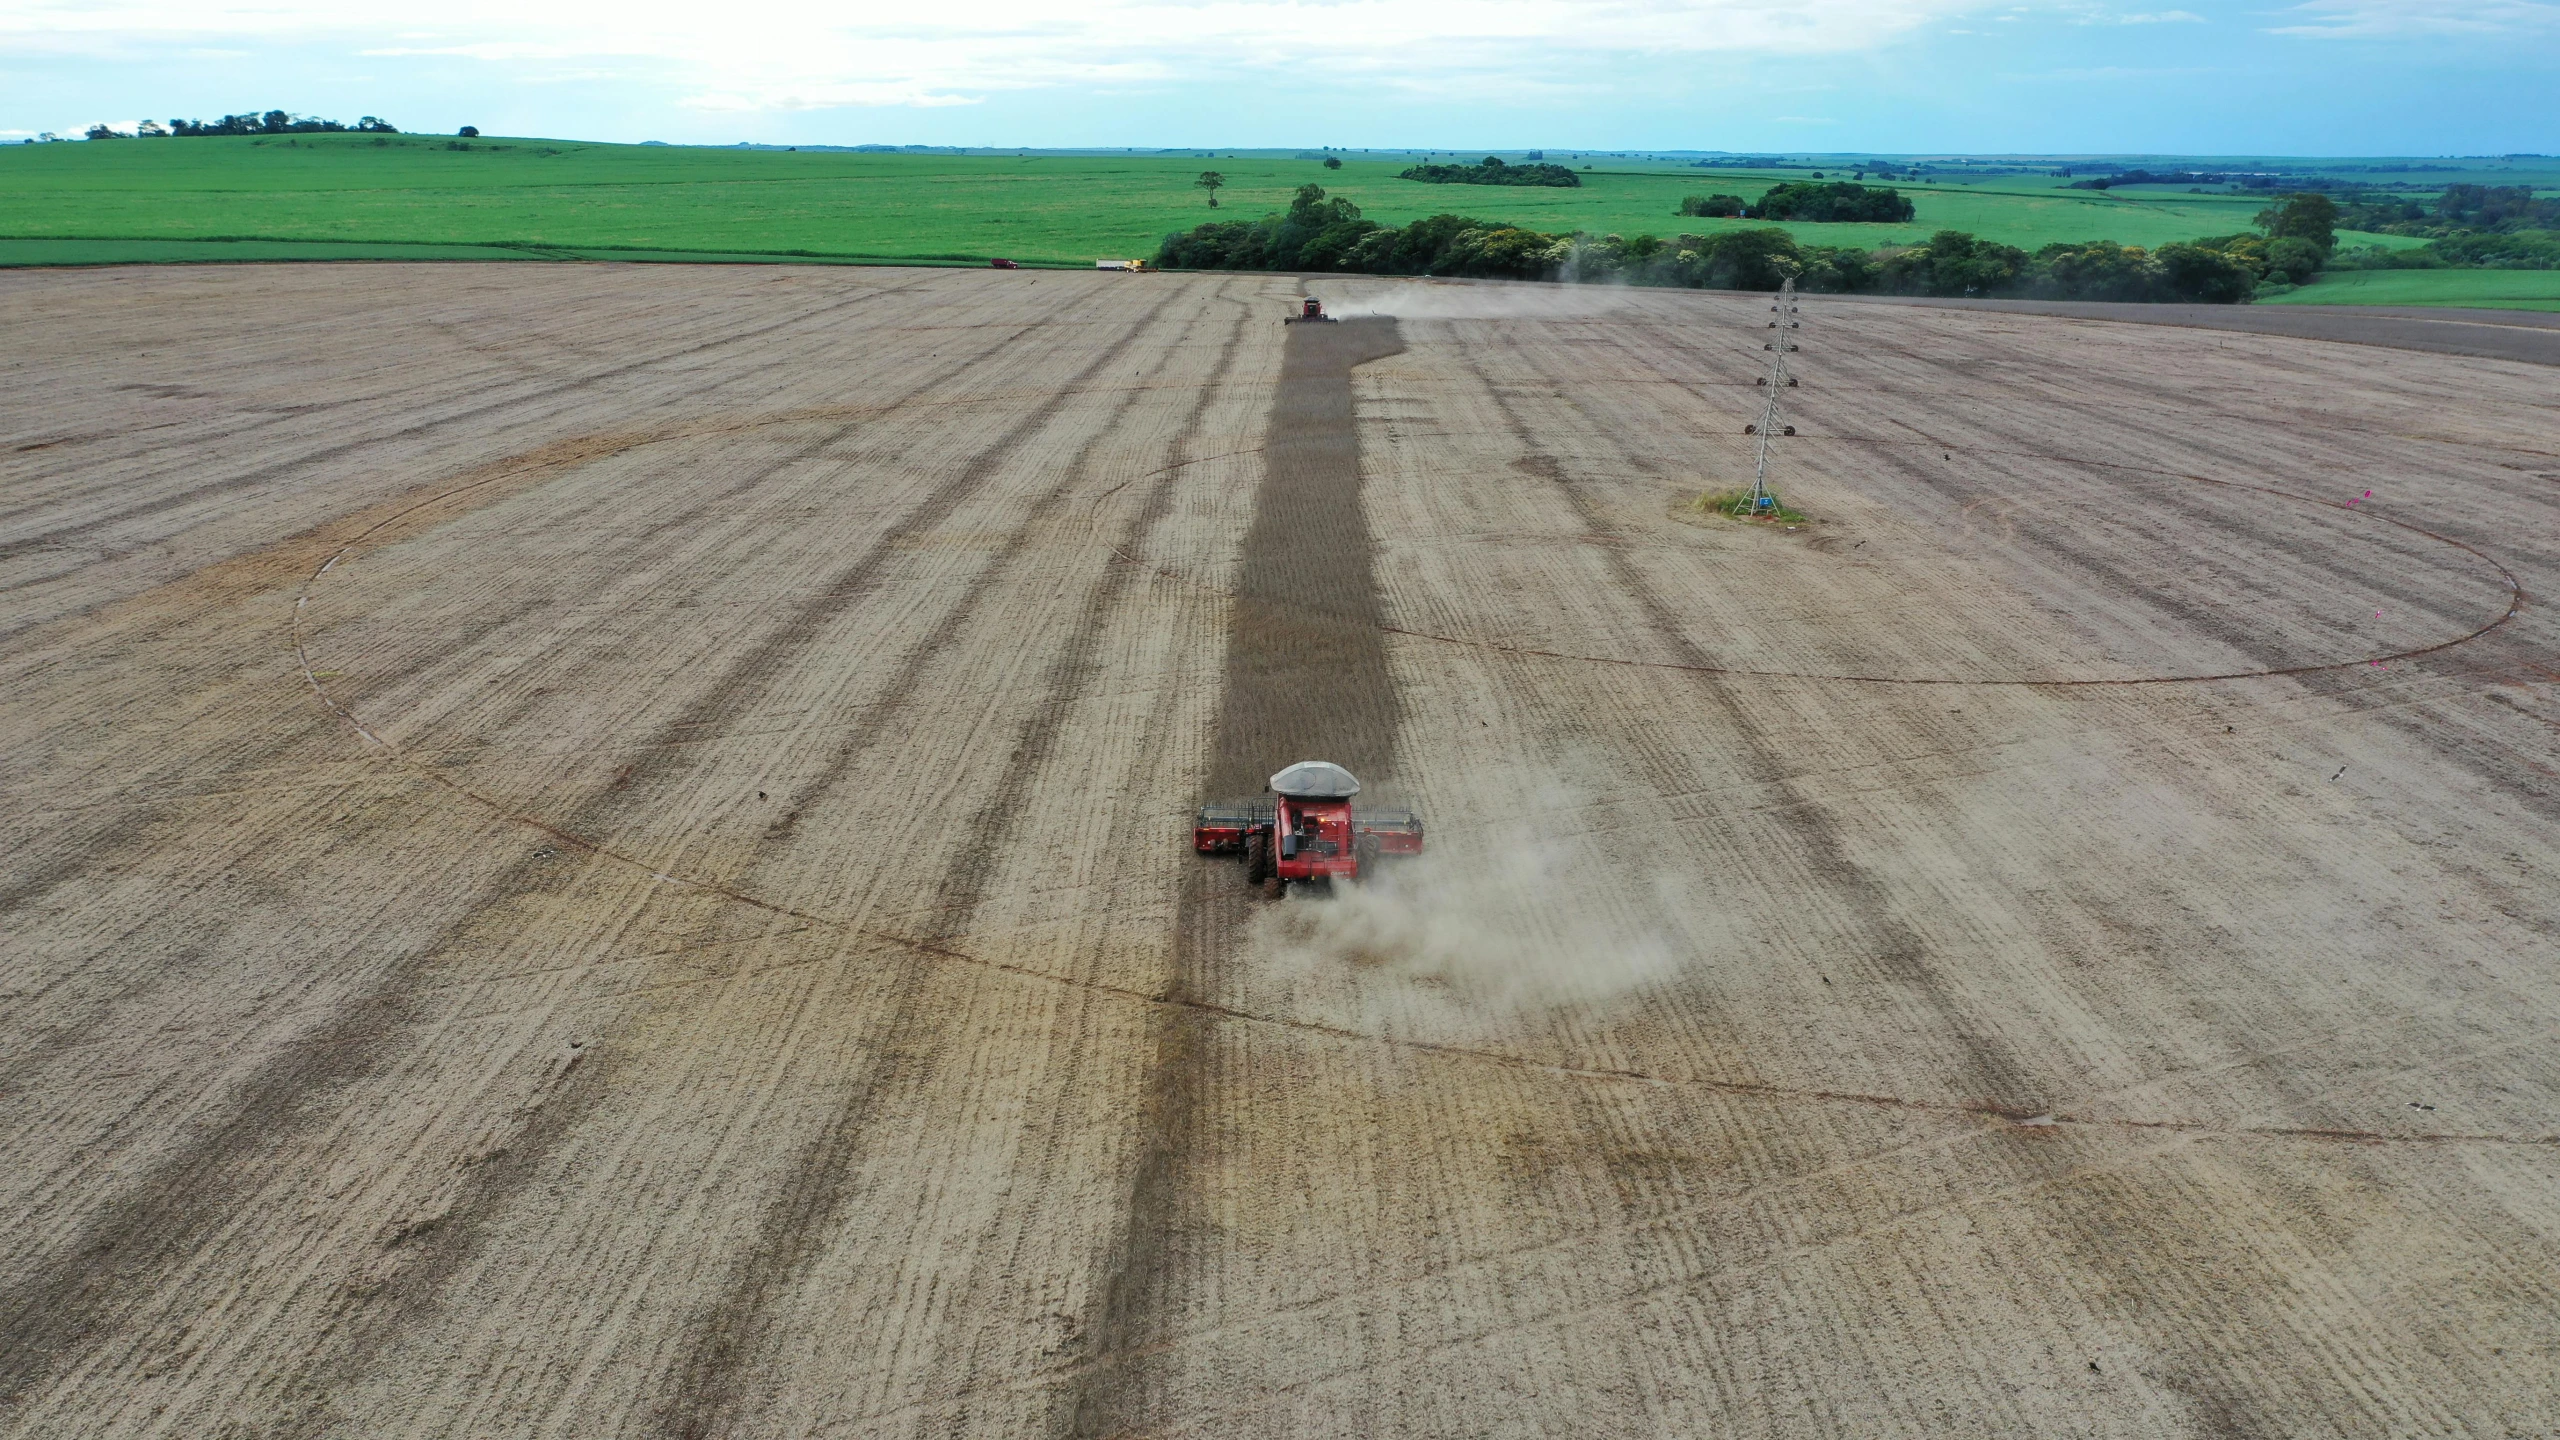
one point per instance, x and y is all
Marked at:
(551, 196)
(418, 197)
(2484, 289)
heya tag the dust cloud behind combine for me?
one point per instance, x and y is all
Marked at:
(1470, 300)
(603, 850)
(1472, 941)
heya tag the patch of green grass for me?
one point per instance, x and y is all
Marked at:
(559, 197)
(2484, 289)
(1736, 505)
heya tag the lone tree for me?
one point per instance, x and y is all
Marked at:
(1210, 180)
(1333, 162)
(2304, 215)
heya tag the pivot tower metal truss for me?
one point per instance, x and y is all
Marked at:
(1772, 415)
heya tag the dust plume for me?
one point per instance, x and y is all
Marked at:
(1477, 936)
(1471, 300)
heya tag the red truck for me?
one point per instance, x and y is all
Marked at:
(1306, 831)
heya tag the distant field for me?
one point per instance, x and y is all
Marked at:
(551, 198)
(168, 252)
(2487, 289)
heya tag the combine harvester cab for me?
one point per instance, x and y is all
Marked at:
(1307, 831)
(1310, 312)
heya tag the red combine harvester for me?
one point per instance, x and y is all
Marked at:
(1307, 831)
(1310, 312)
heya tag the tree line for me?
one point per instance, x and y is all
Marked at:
(1949, 263)
(1494, 171)
(2468, 227)
(1321, 232)
(273, 122)
(1318, 232)
(1836, 201)
(2146, 177)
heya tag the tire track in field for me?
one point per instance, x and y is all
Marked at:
(2208, 443)
(1306, 677)
(184, 1197)
(404, 517)
(2338, 683)
(69, 533)
(945, 953)
(2085, 558)
(1248, 1018)
(464, 1230)
(167, 1213)
(622, 440)
(2100, 555)
(2023, 446)
(1896, 953)
(730, 1335)
(1878, 939)
(425, 508)
(2173, 1252)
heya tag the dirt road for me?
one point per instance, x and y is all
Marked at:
(598, 850)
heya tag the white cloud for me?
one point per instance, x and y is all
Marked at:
(765, 55)
(2400, 19)
(2094, 14)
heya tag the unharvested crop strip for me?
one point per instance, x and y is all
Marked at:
(1305, 675)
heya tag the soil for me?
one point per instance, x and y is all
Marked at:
(604, 850)
(2530, 336)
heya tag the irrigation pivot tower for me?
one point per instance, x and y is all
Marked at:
(1772, 422)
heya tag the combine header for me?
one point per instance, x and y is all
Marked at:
(1310, 312)
(1306, 831)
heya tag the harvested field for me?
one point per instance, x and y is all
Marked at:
(603, 850)
(2491, 334)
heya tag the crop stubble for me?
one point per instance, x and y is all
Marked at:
(858, 643)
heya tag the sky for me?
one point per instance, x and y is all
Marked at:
(2054, 77)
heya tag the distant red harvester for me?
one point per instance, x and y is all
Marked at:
(1310, 310)
(1002, 265)
(1307, 832)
